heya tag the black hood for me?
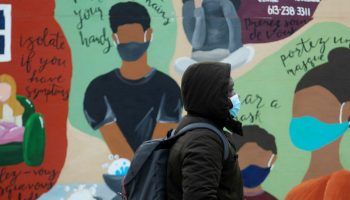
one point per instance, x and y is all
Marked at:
(205, 89)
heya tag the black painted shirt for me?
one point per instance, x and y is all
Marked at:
(135, 105)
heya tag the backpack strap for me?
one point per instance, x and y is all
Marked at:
(203, 125)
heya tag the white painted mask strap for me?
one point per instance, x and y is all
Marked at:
(270, 160)
(341, 113)
(117, 38)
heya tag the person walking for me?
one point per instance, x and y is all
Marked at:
(196, 165)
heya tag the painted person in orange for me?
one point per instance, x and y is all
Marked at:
(257, 152)
(135, 102)
(321, 112)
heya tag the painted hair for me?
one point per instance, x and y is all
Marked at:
(12, 101)
(128, 13)
(255, 134)
(333, 75)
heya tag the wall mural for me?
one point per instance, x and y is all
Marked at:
(84, 83)
(128, 103)
(319, 128)
(257, 153)
(35, 74)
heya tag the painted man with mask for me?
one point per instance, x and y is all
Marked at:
(321, 117)
(196, 165)
(257, 152)
(134, 102)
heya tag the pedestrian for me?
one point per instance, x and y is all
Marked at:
(196, 166)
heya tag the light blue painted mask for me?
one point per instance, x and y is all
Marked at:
(236, 105)
(310, 134)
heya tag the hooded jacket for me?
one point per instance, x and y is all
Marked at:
(196, 168)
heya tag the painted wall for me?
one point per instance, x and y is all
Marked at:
(73, 110)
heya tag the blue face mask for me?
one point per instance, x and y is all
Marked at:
(310, 134)
(254, 175)
(132, 51)
(236, 105)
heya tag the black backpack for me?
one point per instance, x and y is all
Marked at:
(146, 177)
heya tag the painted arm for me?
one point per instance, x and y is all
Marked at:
(161, 129)
(18, 120)
(115, 140)
(169, 113)
(194, 23)
(233, 23)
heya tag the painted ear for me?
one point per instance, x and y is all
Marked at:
(115, 38)
(271, 160)
(149, 34)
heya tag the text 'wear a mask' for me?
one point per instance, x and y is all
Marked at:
(310, 134)
(236, 105)
(132, 51)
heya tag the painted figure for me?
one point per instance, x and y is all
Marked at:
(213, 28)
(321, 115)
(135, 102)
(257, 152)
(11, 126)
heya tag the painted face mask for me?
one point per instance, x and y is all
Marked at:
(236, 105)
(254, 175)
(310, 134)
(133, 50)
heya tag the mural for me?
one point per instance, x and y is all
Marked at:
(304, 67)
(257, 153)
(213, 29)
(88, 29)
(22, 131)
(135, 102)
(35, 73)
(319, 128)
(84, 83)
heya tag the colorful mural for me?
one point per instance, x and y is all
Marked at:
(257, 153)
(319, 128)
(84, 83)
(35, 74)
(112, 101)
